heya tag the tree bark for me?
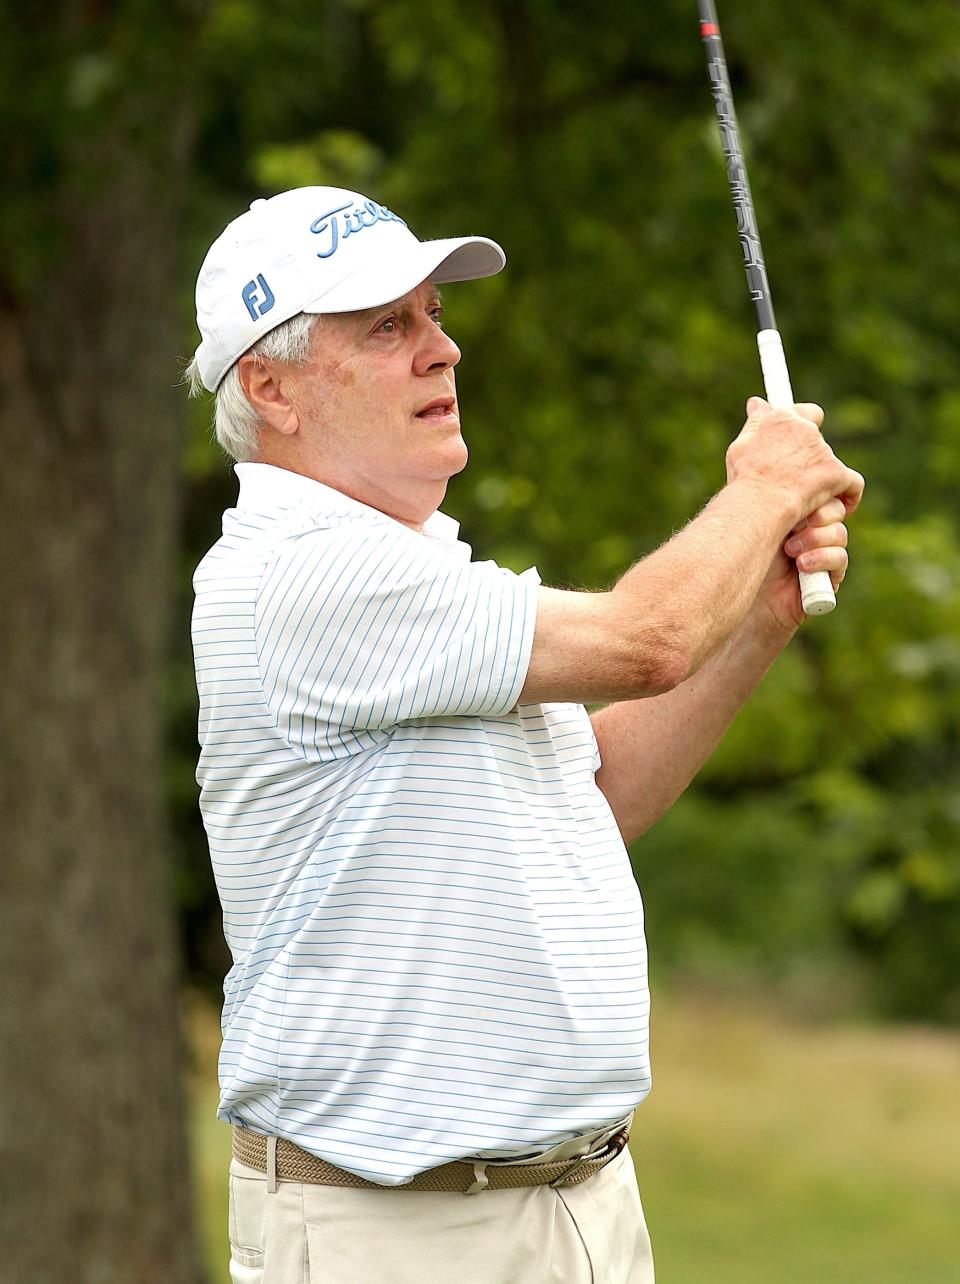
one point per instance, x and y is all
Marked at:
(93, 1153)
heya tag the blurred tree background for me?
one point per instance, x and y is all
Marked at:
(605, 370)
(603, 374)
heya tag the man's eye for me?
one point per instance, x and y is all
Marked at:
(389, 325)
(436, 315)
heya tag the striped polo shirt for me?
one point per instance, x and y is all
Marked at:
(437, 940)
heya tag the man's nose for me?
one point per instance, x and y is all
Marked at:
(437, 352)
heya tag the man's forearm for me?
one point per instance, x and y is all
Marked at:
(651, 749)
(700, 584)
(673, 610)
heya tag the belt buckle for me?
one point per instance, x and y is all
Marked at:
(610, 1151)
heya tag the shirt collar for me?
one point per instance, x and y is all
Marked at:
(264, 487)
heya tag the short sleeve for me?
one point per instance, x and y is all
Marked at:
(358, 632)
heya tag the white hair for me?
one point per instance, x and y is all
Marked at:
(235, 422)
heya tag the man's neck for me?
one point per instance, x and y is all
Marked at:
(409, 513)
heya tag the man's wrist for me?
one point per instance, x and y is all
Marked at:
(766, 629)
(782, 502)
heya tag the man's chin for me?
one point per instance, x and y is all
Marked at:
(451, 461)
(465, 455)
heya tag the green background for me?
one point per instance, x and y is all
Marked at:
(606, 369)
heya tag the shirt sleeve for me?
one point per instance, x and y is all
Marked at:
(358, 633)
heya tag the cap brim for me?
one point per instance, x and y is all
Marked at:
(381, 280)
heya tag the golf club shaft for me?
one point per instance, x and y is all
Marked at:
(816, 590)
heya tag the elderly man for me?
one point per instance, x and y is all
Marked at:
(435, 1026)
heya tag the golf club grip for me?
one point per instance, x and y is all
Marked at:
(816, 589)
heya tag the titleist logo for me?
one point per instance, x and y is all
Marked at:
(343, 221)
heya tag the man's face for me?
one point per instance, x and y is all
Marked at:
(377, 406)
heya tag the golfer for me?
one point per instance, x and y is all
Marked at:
(435, 1028)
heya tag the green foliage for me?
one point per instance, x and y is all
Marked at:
(606, 369)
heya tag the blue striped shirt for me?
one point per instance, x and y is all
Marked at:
(437, 940)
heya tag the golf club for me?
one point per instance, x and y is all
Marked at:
(816, 589)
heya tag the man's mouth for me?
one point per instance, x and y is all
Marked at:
(439, 408)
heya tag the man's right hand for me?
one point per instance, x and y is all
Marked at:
(785, 450)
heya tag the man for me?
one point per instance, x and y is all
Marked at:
(435, 1027)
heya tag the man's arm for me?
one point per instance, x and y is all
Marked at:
(651, 749)
(671, 611)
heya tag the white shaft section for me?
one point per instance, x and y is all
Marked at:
(816, 590)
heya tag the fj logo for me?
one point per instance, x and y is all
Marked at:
(251, 297)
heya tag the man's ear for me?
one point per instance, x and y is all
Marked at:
(262, 382)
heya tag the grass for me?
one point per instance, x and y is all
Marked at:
(771, 1151)
(776, 1151)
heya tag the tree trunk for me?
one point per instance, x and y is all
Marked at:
(95, 1177)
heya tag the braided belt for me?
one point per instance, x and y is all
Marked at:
(465, 1176)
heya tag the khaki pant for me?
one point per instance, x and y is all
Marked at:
(302, 1233)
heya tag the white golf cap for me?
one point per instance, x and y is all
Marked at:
(316, 249)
